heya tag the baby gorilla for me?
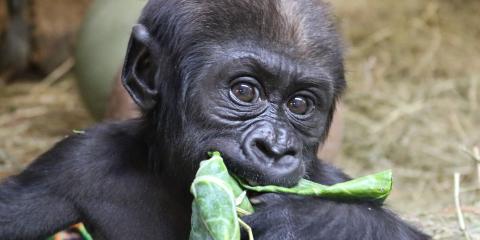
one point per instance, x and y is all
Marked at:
(255, 80)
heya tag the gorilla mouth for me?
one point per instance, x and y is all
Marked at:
(256, 170)
(257, 166)
(255, 197)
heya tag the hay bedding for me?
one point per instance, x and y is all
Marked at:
(414, 103)
(33, 116)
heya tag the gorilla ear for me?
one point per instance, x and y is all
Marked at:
(138, 74)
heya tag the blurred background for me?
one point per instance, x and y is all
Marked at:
(412, 105)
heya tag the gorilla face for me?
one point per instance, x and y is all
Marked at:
(265, 111)
(258, 84)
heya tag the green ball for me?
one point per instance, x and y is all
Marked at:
(101, 48)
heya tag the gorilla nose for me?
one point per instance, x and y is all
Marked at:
(273, 146)
(274, 150)
(274, 157)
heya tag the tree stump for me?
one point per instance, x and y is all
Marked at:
(51, 28)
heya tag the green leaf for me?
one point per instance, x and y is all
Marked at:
(216, 167)
(219, 198)
(374, 187)
(214, 208)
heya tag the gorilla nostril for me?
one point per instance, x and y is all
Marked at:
(291, 152)
(263, 147)
(273, 151)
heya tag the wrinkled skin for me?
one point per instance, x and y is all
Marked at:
(256, 80)
(266, 143)
(121, 107)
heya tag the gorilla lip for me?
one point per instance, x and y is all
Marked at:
(255, 197)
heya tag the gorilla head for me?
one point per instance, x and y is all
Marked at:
(256, 80)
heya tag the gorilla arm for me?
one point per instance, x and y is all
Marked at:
(99, 178)
(31, 203)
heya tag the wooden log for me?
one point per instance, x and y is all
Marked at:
(3, 16)
(55, 24)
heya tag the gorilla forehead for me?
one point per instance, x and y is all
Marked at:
(191, 31)
(302, 27)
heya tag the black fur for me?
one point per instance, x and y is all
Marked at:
(130, 180)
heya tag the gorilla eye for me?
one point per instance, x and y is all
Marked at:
(298, 105)
(245, 92)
